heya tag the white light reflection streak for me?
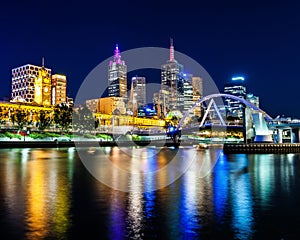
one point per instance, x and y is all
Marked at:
(135, 208)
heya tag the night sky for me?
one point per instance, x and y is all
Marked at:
(259, 40)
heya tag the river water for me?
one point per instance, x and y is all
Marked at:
(49, 194)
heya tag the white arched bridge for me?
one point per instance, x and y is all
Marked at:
(211, 97)
(259, 117)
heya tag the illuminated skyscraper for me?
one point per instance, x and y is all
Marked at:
(137, 96)
(237, 88)
(172, 81)
(59, 89)
(188, 91)
(197, 93)
(139, 89)
(117, 76)
(31, 84)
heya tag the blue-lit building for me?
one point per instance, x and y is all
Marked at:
(236, 86)
(148, 110)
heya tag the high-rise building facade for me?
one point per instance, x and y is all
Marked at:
(137, 96)
(139, 90)
(31, 84)
(197, 93)
(188, 91)
(237, 88)
(172, 81)
(59, 89)
(117, 76)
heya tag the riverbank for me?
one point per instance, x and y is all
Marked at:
(82, 143)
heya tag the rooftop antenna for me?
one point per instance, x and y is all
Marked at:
(43, 62)
(171, 50)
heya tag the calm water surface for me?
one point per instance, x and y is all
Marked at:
(48, 194)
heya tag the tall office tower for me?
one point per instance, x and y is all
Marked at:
(197, 93)
(188, 91)
(117, 76)
(59, 89)
(172, 81)
(139, 89)
(237, 88)
(137, 96)
(31, 84)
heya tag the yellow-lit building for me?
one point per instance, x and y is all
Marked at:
(31, 84)
(110, 105)
(7, 109)
(59, 89)
(125, 120)
(42, 87)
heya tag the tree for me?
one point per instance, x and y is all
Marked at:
(19, 117)
(43, 120)
(84, 120)
(63, 116)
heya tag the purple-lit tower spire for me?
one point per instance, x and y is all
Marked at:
(117, 55)
(117, 76)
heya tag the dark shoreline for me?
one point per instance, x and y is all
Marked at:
(58, 144)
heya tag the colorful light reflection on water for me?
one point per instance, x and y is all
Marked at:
(47, 193)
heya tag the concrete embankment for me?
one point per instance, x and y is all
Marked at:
(262, 148)
(50, 144)
(61, 144)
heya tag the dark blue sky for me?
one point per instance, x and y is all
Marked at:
(260, 40)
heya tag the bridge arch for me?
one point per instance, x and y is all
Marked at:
(218, 95)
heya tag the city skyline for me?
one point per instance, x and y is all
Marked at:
(113, 72)
(258, 41)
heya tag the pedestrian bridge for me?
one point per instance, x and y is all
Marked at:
(266, 128)
(259, 117)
